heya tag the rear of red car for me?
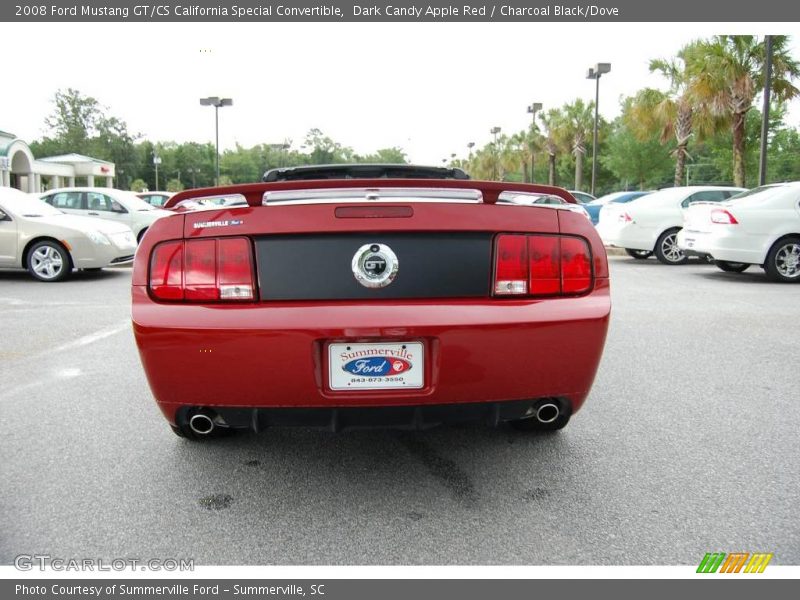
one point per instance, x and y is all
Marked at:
(386, 302)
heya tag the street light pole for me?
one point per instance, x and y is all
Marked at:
(156, 162)
(217, 103)
(533, 109)
(762, 165)
(595, 73)
(494, 131)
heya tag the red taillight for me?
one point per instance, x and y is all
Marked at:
(723, 217)
(511, 272)
(576, 266)
(205, 270)
(166, 271)
(541, 265)
(545, 265)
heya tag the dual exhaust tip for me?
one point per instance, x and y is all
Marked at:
(203, 422)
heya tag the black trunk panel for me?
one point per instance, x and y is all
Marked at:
(318, 267)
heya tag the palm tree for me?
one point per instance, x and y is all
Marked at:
(515, 155)
(577, 124)
(675, 113)
(553, 122)
(727, 73)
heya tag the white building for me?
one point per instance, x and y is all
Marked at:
(19, 168)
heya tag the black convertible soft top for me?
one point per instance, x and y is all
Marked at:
(363, 171)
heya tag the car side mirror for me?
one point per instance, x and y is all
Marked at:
(4, 216)
(117, 207)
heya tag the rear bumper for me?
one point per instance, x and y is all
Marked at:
(273, 355)
(719, 245)
(417, 417)
(629, 235)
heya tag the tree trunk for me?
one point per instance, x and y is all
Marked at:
(578, 170)
(551, 169)
(680, 164)
(525, 171)
(738, 149)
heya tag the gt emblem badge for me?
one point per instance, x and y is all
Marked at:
(375, 265)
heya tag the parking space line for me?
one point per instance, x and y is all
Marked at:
(93, 337)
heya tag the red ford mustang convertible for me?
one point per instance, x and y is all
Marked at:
(370, 296)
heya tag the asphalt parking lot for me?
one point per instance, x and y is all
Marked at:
(688, 444)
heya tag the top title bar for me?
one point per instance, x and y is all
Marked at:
(400, 11)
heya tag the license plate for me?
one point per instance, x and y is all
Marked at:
(376, 366)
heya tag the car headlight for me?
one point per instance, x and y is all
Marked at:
(98, 238)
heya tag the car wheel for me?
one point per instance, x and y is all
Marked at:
(667, 250)
(141, 235)
(49, 261)
(731, 267)
(638, 254)
(783, 260)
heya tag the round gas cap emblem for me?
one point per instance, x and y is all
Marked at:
(375, 265)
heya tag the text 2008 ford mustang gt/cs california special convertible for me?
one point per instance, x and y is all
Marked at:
(359, 296)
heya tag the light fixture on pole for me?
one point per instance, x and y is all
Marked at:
(156, 162)
(595, 73)
(494, 131)
(217, 103)
(532, 110)
(470, 145)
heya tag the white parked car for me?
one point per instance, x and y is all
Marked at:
(759, 227)
(650, 224)
(528, 199)
(49, 243)
(157, 199)
(106, 203)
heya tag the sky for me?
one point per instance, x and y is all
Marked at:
(429, 88)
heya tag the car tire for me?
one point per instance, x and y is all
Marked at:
(141, 235)
(48, 261)
(639, 254)
(667, 251)
(731, 267)
(783, 260)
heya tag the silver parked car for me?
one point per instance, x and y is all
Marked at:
(50, 244)
(106, 203)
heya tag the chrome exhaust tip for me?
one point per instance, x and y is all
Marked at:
(201, 424)
(547, 413)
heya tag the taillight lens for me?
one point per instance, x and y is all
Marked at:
(576, 266)
(723, 217)
(166, 271)
(511, 272)
(541, 265)
(206, 270)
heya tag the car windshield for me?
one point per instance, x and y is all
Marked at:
(27, 206)
(668, 194)
(764, 193)
(609, 198)
(133, 202)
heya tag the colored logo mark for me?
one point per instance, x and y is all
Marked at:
(735, 562)
(377, 366)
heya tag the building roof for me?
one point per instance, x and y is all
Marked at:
(74, 158)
